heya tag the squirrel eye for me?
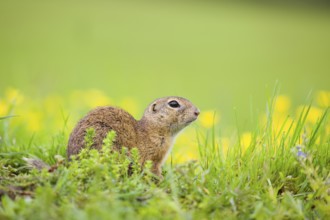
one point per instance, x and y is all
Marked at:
(174, 104)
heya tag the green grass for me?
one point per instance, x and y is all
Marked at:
(270, 180)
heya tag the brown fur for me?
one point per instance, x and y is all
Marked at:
(153, 135)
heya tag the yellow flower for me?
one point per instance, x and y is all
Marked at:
(181, 157)
(3, 108)
(186, 147)
(323, 98)
(282, 104)
(94, 98)
(208, 118)
(289, 124)
(314, 114)
(282, 122)
(34, 120)
(246, 139)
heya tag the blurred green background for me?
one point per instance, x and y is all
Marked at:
(219, 55)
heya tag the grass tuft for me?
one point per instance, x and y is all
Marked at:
(280, 174)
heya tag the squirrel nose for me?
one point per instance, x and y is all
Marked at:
(197, 112)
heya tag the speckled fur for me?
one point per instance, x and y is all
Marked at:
(153, 135)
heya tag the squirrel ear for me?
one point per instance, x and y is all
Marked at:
(154, 108)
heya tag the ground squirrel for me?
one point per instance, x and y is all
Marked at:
(153, 135)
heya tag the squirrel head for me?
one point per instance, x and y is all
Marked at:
(171, 114)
